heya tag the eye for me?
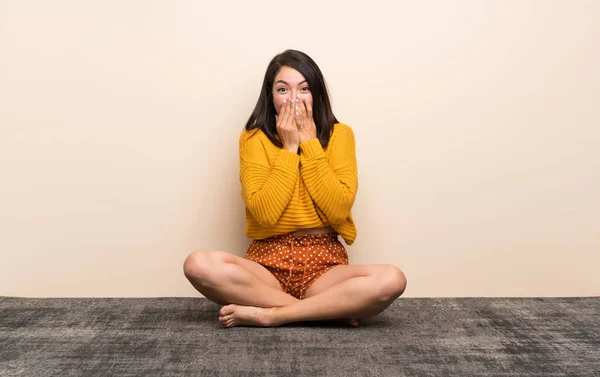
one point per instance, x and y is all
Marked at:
(281, 90)
(306, 89)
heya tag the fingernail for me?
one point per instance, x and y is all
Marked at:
(284, 101)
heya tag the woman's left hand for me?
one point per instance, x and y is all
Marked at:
(304, 120)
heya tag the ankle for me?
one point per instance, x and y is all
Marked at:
(273, 316)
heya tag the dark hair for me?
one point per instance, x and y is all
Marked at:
(263, 116)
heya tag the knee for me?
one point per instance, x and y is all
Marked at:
(200, 265)
(393, 283)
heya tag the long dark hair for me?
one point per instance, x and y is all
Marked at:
(263, 116)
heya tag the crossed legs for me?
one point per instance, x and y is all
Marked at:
(252, 296)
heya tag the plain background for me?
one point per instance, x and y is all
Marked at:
(477, 127)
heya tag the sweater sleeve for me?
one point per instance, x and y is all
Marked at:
(266, 189)
(332, 183)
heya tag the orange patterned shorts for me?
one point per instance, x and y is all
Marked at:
(298, 261)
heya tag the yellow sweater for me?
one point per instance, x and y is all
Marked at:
(284, 191)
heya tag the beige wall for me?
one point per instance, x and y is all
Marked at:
(477, 126)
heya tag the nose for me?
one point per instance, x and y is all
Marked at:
(294, 94)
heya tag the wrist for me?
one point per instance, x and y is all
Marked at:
(293, 149)
(307, 139)
(311, 147)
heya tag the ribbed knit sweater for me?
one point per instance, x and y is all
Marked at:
(284, 191)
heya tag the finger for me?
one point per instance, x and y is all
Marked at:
(291, 109)
(281, 108)
(297, 103)
(280, 116)
(283, 112)
(286, 109)
(303, 112)
(297, 112)
(309, 112)
(289, 113)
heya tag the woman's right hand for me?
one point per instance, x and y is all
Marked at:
(286, 127)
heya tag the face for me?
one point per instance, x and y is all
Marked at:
(288, 84)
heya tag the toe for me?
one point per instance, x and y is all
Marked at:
(225, 318)
(224, 311)
(227, 323)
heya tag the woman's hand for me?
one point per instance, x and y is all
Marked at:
(304, 120)
(286, 127)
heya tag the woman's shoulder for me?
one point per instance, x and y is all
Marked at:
(246, 134)
(254, 141)
(252, 137)
(341, 127)
(342, 130)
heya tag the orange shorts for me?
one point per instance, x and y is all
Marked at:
(298, 261)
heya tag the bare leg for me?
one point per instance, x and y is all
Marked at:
(225, 279)
(356, 292)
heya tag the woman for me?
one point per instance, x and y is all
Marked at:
(299, 180)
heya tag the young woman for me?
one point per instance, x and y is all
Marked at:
(299, 180)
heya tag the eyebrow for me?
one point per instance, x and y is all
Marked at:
(281, 81)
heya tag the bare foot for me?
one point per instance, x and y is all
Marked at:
(239, 315)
